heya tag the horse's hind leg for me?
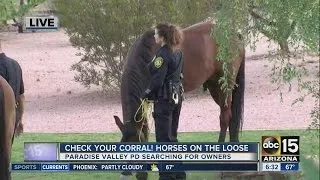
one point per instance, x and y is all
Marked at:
(225, 117)
(225, 110)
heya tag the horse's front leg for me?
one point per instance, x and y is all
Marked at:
(126, 175)
(142, 175)
(143, 134)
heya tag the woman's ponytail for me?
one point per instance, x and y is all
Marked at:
(176, 36)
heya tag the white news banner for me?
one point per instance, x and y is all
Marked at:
(159, 156)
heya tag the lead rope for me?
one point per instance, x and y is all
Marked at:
(145, 114)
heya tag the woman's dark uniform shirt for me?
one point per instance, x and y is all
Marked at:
(162, 65)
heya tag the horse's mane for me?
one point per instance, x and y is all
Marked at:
(135, 75)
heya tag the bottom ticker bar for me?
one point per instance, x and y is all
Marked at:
(171, 167)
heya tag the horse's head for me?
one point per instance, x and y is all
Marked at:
(135, 78)
(130, 131)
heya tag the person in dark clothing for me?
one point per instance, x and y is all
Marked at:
(165, 87)
(11, 71)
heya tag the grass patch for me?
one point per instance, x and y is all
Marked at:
(309, 145)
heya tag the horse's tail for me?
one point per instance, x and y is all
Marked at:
(4, 159)
(238, 100)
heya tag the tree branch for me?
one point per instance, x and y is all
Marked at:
(267, 33)
(258, 16)
(293, 25)
(16, 23)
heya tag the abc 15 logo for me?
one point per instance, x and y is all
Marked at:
(280, 145)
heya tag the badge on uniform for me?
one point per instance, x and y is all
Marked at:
(158, 62)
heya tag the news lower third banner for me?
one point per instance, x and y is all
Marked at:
(113, 152)
(136, 167)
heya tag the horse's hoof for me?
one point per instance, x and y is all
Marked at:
(124, 177)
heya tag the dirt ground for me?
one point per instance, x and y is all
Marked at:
(56, 103)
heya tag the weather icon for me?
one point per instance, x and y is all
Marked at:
(154, 167)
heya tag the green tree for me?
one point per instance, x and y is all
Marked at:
(16, 9)
(290, 24)
(104, 31)
(279, 20)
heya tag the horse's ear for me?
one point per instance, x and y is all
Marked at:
(119, 123)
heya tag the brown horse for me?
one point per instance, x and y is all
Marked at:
(7, 125)
(201, 67)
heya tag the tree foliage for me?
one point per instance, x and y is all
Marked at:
(11, 9)
(280, 20)
(293, 25)
(104, 30)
